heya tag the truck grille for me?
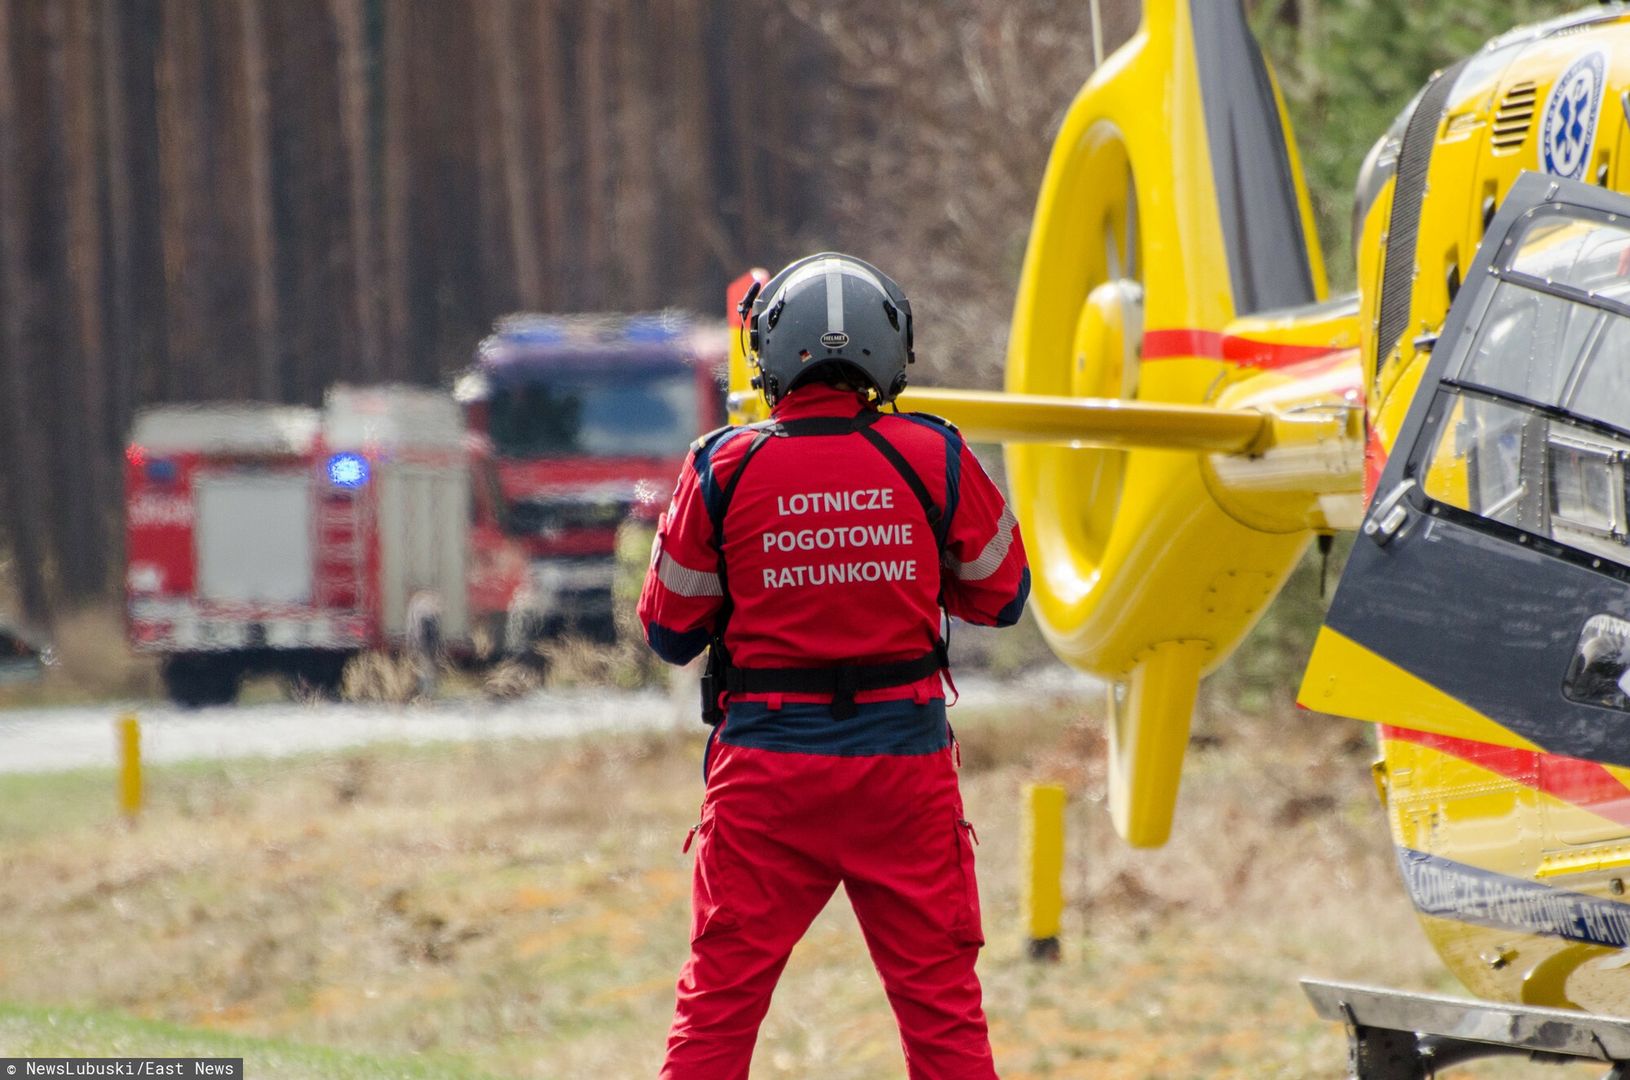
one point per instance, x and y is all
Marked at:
(552, 516)
(1514, 116)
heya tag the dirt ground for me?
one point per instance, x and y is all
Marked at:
(519, 909)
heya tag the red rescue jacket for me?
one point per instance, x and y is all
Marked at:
(829, 557)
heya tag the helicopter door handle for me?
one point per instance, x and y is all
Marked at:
(1388, 516)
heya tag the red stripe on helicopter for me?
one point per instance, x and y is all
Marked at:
(1211, 345)
(1171, 344)
(1375, 459)
(1586, 784)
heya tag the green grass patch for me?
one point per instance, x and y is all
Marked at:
(39, 804)
(47, 1031)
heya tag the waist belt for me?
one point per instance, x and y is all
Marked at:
(842, 681)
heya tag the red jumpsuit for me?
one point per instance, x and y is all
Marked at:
(830, 560)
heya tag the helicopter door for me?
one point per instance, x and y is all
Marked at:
(1488, 596)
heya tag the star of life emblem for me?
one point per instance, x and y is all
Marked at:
(1567, 132)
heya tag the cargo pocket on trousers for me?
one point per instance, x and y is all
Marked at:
(712, 879)
(966, 926)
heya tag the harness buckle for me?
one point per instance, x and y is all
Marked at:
(843, 697)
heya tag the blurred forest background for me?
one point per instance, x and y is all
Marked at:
(252, 199)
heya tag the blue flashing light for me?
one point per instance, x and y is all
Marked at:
(534, 332)
(161, 471)
(650, 329)
(348, 470)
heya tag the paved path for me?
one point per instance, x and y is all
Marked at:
(43, 740)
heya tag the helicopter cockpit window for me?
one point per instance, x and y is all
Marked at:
(1534, 414)
(1521, 467)
(1478, 463)
(1588, 254)
(1528, 344)
(1600, 672)
(1602, 388)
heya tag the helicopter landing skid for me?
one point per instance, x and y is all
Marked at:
(1397, 1035)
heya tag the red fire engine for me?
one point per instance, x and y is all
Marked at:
(287, 540)
(590, 416)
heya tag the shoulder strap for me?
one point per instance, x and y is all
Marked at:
(761, 435)
(703, 440)
(938, 421)
(892, 455)
(936, 521)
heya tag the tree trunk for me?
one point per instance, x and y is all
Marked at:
(355, 107)
(120, 347)
(23, 502)
(179, 155)
(635, 236)
(558, 181)
(744, 104)
(75, 293)
(87, 272)
(592, 120)
(138, 45)
(497, 271)
(398, 178)
(499, 17)
(692, 160)
(262, 235)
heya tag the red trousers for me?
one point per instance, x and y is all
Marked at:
(778, 833)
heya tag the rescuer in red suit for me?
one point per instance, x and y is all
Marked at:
(811, 556)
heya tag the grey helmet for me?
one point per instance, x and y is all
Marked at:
(829, 309)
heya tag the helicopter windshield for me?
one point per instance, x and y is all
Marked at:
(1557, 330)
(1535, 428)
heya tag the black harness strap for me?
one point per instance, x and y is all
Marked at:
(936, 520)
(842, 681)
(819, 425)
(718, 658)
(913, 481)
(761, 437)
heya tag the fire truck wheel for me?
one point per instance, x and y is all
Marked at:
(320, 674)
(597, 626)
(194, 681)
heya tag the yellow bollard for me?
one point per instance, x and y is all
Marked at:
(130, 782)
(1044, 867)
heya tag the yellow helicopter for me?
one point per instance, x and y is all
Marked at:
(1186, 410)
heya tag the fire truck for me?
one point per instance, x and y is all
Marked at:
(590, 417)
(271, 539)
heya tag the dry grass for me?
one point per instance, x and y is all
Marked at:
(626, 665)
(93, 663)
(380, 677)
(511, 679)
(521, 908)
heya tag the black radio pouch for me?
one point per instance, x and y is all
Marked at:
(713, 683)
